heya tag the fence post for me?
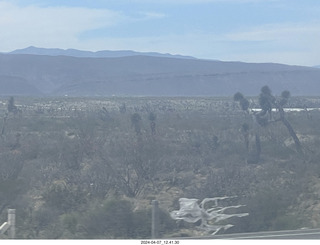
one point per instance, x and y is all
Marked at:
(12, 223)
(155, 220)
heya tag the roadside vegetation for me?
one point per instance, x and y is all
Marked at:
(89, 167)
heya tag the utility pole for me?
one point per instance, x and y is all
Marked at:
(10, 225)
(155, 220)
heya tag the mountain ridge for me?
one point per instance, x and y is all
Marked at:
(140, 75)
(92, 54)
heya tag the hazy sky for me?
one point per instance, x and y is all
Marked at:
(281, 31)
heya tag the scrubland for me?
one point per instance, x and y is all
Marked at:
(89, 167)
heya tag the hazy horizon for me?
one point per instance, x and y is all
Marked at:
(255, 31)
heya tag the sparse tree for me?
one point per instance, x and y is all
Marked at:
(152, 118)
(244, 103)
(11, 106)
(136, 123)
(245, 132)
(252, 157)
(267, 101)
(238, 96)
(123, 108)
(4, 124)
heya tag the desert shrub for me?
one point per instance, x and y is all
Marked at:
(267, 209)
(286, 222)
(71, 154)
(41, 220)
(116, 219)
(230, 180)
(63, 196)
(70, 224)
(141, 223)
(110, 219)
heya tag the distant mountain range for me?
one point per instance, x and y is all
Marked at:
(90, 54)
(56, 72)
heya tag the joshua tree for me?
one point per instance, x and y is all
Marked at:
(245, 131)
(254, 157)
(11, 106)
(244, 103)
(267, 101)
(123, 108)
(152, 118)
(136, 123)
